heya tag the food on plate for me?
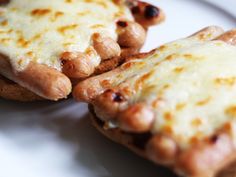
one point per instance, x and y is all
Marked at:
(46, 44)
(175, 105)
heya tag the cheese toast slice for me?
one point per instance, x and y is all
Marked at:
(44, 43)
(179, 97)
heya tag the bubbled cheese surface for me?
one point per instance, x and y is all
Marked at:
(40, 30)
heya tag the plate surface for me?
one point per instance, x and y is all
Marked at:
(56, 139)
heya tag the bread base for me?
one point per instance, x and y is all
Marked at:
(12, 91)
(136, 142)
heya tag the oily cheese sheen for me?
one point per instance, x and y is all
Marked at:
(40, 30)
(189, 84)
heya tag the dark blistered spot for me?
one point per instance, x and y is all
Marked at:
(214, 139)
(118, 97)
(122, 24)
(151, 12)
(63, 62)
(135, 10)
(140, 140)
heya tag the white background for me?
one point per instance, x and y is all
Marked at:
(56, 139)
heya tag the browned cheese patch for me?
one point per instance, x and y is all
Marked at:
(196, 122)
(230, 81)
(228, 128)
(178, 70)
(83, 13)
(21, 42)
(5, 41)
(180, 106)
(203, 102)
(106, 83)
(171, 57)
(168, 116)
(127, 91)
(157, 102)
(66, 28)
(162, 48)
(231, 111)
(195, 139)
(101, 3)
(168, 129)
(139, 83)
(57, 15)
(97, 26)
(68, 1)
(4, 23)
(40, 12)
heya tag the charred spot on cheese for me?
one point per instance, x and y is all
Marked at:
(122, 24)
(118, 97)
(214, 139)
(135, 10)
(151, 12)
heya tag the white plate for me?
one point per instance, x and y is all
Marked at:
(57, 140)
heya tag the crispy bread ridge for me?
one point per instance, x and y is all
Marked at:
(136, 143)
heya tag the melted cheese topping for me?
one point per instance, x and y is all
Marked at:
(189, 84)
(40, 30)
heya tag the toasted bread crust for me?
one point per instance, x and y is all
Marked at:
(12, 91)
